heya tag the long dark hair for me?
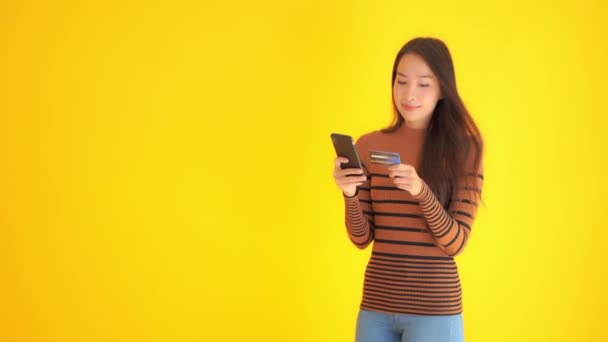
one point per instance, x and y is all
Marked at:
(452, 134)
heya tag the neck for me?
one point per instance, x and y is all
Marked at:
(416, 125)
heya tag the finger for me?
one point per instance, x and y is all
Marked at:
(349, 185)
(402, 181)
(402, 167)
(357, 176)
(344, 185)
(340, 160)
(345, 172)
(349, 180)
(399, 173)
(403, 187)
(399, 180)
(398, 168)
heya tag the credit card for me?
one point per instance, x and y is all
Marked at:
(383, 157)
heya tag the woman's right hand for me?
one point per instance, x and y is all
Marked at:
(348, 184)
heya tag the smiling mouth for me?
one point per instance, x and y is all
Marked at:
(408, 107)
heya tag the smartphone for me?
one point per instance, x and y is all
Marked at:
(345, 147)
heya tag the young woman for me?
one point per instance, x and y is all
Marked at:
(418, 213)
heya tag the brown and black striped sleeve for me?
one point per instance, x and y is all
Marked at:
(359, 220)
(359, 216)
(452, 228)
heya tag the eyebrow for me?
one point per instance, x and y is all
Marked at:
(421, 76)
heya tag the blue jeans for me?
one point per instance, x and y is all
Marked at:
(383, 327)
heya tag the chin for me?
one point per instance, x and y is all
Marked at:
(410, 116)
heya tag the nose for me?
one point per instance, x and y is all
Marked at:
(410, 94)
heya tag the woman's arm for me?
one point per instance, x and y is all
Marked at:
(359, 217)
(451, 228)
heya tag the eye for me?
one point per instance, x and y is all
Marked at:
(425, 85)
(401, 82)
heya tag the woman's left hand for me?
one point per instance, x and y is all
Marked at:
(405, 178)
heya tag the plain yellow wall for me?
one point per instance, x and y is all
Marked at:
(166, 167)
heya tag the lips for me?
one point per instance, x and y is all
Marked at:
(410, 108)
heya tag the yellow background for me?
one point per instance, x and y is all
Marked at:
(166, 167)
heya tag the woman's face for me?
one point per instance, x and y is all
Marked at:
(416, 91)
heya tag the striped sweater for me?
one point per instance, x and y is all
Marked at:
(412, 268)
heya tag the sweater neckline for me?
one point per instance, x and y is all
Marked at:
(404, 128)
